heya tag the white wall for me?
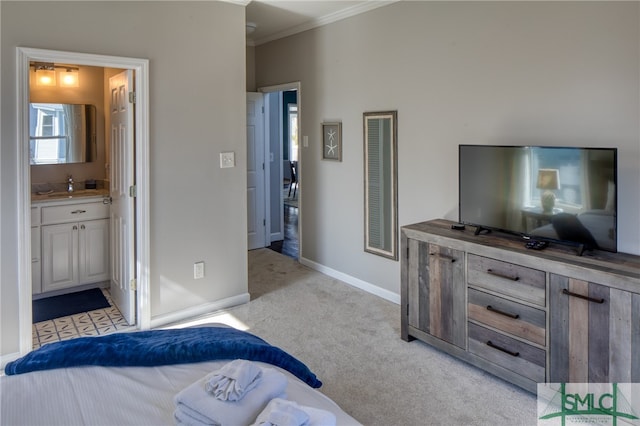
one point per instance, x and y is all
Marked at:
(197, 55)
(550, 73)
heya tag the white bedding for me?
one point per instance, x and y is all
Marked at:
(120, 395)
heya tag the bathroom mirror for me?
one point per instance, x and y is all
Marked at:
(380, 189)
(62, 133)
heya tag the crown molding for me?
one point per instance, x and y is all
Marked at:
(324, 20)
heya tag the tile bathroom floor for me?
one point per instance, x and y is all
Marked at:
(92, 323)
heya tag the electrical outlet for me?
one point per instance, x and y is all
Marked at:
(227, 159)
(198, 270)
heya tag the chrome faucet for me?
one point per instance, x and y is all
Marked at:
(70, 183)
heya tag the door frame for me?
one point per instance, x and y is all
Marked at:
(297, 86)
(141, 134)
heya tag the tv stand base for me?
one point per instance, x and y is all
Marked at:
(481, 230)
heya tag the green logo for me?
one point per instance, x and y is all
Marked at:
(586, 403)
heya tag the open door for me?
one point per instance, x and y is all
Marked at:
(256, 211)
(122, 194)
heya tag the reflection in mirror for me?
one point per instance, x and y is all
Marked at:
(381, 203)
(61, 133)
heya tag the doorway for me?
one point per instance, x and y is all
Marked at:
(138, 245)
(283, 113)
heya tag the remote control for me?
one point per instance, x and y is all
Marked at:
(536, 245)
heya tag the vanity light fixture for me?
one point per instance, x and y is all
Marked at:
(45, 74)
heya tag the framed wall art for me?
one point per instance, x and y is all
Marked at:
(332, 141)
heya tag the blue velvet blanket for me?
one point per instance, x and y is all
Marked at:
(160, 347)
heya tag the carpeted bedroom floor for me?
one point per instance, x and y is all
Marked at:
(351, 340)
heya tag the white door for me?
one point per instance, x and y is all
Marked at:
(122, 222)
(256, 209)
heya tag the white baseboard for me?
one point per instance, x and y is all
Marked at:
(195, 311)
(355, 282)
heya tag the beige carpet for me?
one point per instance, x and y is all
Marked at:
(351, 340)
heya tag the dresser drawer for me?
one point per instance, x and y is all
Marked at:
(525, 360)
(511, 317)
(74, 212)
(516, 281)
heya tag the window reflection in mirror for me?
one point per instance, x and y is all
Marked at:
(380, 162)
(62, 133)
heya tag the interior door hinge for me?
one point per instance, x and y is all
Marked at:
(132, 97)
(263, 109)
(264, 222)
(133, 191)
(133, 284)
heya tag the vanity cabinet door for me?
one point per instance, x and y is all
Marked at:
(594, 332)
(436, 291)
(59, 256)
(93, 240)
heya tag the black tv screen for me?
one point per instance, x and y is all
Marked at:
(564, 194)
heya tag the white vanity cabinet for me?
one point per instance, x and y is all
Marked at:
(75, 243)
(36, 252)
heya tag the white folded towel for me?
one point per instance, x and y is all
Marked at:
(194, 405)
(281, 412)
(234, 379)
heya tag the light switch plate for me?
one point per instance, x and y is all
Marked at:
(227, 159)
(198, 270)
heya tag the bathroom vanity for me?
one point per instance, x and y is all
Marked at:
(69, 240)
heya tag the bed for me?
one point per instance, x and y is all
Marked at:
(133, 378)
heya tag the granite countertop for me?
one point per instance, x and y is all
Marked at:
(64, 195)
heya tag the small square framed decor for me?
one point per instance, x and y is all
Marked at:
(332, 141)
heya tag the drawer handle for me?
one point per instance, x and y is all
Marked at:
(444, 256)
(507, 351)
(78, 211)
(498, 311)
(501, 275)
(590, 299)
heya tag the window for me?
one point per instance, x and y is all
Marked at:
(293, 132)
(47, 134)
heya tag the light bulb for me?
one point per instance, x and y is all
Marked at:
(69, 78)
(46, 77)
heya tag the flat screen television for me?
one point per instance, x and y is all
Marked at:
(553, 194)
